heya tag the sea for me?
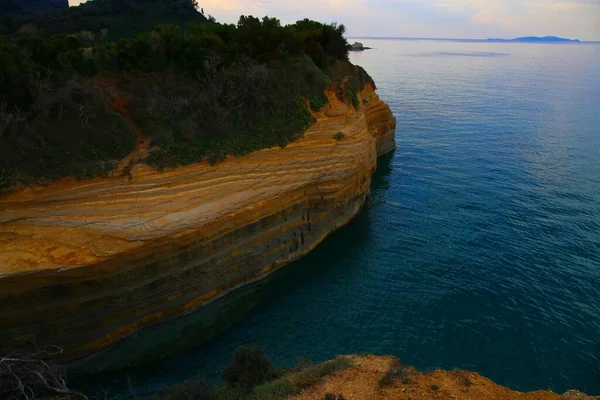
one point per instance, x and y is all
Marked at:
(479, 248)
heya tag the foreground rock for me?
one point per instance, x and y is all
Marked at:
(86, 264)
(374, 377)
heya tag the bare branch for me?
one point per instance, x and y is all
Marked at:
(26, 375)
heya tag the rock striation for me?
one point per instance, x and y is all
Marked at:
(86, 264)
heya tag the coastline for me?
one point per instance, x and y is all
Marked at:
(127, 255)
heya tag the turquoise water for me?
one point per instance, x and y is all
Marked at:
(480, 247)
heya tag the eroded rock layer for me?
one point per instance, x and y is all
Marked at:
(85, 264)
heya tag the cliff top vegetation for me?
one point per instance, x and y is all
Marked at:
(120, 18)
(78, 103)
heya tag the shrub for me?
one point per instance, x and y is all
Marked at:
(386, 380)
(67, 129)
(463, 377)
(319, 101)
(339, 135)
(195, 389)
(395, 371)
(249, 368)
(351, 89)
(274, 390)
(296, 382)
(434, 387)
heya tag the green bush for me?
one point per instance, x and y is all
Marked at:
(294, 383)
(252, 377)
(119, 18)
(396, 371)
(319, 101)
(249, 368)
(339, 135)
(199, 91)
(274, 390)
(351, 89)
(69, 130)
(195, 389)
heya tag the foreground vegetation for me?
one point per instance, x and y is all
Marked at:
(197, 91)
(117, 18)
(250, 376)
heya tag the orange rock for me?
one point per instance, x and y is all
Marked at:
(364, 382)
(84, 264)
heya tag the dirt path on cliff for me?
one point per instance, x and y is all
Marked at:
(120, 101)
(363, 383)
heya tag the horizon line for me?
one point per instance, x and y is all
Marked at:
(491, 39)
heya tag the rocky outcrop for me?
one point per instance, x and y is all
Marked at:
(358, 46)
(85, 264)
(384, 378)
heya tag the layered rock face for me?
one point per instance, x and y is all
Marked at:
(85, 264)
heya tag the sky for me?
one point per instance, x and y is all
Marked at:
(468, 19)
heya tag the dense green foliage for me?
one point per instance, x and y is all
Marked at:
(252, 377)
(118, 18)
(53, 123)
(249, 368)
(203, 92)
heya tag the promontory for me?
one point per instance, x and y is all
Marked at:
(146, 177)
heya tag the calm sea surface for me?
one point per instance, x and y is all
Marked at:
(480, 248)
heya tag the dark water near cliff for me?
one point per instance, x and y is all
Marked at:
(480, 248)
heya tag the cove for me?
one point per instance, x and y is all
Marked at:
(480, 247)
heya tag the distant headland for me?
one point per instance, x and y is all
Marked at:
(536, 39)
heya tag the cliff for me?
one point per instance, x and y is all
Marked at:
(84, 264)
(383, 378)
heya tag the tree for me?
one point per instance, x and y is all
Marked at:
(249, 368)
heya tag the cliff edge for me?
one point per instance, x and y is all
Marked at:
(384, 378)
(84, 264)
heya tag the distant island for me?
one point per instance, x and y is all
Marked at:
(536, 39)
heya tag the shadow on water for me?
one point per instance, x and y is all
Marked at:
(149, 354)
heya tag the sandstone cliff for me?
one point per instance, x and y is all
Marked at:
(85, 264)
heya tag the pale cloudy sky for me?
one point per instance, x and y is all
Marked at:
(428, 18)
